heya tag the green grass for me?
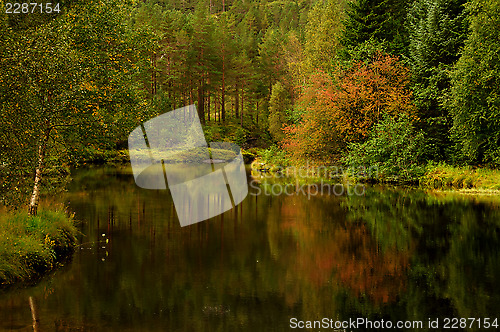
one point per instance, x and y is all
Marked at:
(435, 175)
(442, 176)
(31, 246)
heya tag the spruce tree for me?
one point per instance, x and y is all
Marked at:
(476, 87)
(437, 32)
(379, 20)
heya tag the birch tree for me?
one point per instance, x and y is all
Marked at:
(64, 83)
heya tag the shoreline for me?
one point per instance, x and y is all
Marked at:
(437, 177)
(32, 247)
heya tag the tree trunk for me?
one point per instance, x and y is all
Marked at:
(190, 92)
(201, 103)
(257, 113)
(241, 113)
(237, 103)
(216, 101)
(208, 106)
(169, 82)
(35, 196)
(153, 74)
(223, 99)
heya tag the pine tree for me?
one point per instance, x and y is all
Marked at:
(380, 20)
(203, 55)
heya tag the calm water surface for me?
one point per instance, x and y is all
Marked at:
(393, 254)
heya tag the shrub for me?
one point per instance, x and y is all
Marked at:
(394, 148)
(274, 156)
(229, 132)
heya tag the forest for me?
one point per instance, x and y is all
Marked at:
(398, 84)
(408, 88)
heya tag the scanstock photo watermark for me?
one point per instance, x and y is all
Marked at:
(320, 180)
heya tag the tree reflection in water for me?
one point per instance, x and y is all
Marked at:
(396, 254)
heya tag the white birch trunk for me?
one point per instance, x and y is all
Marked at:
(35, 196)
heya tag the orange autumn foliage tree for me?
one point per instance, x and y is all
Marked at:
(343, 107)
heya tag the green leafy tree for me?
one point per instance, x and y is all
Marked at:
(322, 34)
(278, 106)
(476, 87)
(394, 150)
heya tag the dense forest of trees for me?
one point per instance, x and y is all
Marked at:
(319, 79)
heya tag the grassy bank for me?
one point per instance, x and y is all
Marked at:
(442, 176)
(32, 246)
(433, 175)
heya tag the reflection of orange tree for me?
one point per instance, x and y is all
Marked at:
(367, 271)
(299, 239)
(326, 244)
(315, 253)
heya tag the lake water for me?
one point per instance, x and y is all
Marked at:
(391, 254)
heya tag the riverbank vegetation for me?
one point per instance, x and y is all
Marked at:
(401, 92)
(442, 176)
(388, 84)
(33, 245)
